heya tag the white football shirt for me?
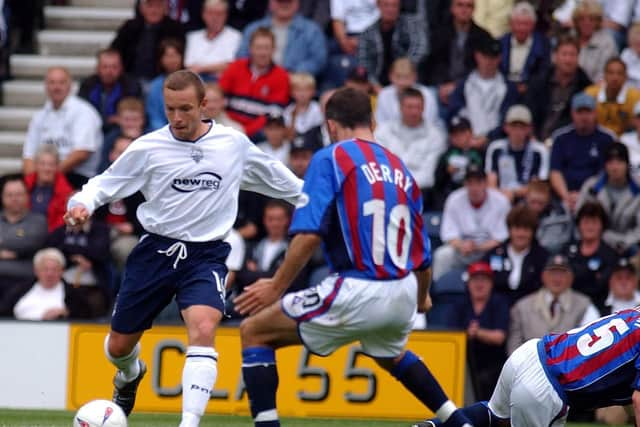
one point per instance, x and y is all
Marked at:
(191, 187)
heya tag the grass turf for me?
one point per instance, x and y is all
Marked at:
(33, 418)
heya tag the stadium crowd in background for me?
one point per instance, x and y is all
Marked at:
(519, 120)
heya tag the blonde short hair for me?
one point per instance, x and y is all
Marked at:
(403, 65)
(589, 8)
(49, 253)
(302, 80)
(212, 3)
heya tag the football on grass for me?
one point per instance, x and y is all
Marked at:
(100, 413)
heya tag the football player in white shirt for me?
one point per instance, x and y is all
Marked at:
(190, 173)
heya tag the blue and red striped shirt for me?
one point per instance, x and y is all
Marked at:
(597, 363)
(367, 207)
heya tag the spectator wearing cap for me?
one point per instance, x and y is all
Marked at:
(619, 194)
(513, 161)
(632, 140)
(615, 98)
(549, 94)
(473, 223)
(554, 308)
(209, 50)
(392, 36)
(597, 45)
(255, 87)
(555, 222)
(623, 288)
(485, 316)
(591, 258)
(300, 45)
(403, 76)
(526, 53)
(276, 143)
(578, 150)
(484, 96)
(454, 161)
(419, 144)
(300, 154)
(518, 262)
(451, 44)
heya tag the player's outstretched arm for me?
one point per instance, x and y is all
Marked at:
(76, 216)
(424, 283)
(265, 292)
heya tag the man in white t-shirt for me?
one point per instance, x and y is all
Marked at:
(473, 223)
(209, 50)
(71, 124)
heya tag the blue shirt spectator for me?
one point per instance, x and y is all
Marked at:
(578, 150)
(300, 43)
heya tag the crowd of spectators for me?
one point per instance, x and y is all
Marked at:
(519, 120)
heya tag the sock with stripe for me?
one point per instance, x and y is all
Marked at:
(417, 378)
(261, 380)
(198, 378)
(479, 414)
(128, 365)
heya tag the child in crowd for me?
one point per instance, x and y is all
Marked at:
(131, 124)
(453, 163)
(304, 114)
(215, 107)
(276, 144)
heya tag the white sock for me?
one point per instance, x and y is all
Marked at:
(128, 364)
(198, 378)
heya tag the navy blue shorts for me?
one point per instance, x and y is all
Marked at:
(160, 268)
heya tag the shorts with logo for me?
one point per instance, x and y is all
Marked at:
(160, 268)
(525, 393)
(377, 313)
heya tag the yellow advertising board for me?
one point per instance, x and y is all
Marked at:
(345, 384)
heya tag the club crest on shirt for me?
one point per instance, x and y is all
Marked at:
(197, 154)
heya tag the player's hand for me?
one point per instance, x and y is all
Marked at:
(77, 216)
(425, 305)
(256, 297)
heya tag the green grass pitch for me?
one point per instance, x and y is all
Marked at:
(32, 418)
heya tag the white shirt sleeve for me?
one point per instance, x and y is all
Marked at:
(265, 175)
(450, 228)
(86, 133)
(619, 11)
(383, 106)
(502, 207)
(544, 163)
(33, 137)
(590, 314)
(238, 248)
(123, 178)
(337, 10)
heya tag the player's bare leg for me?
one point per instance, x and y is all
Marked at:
(261, 334)
(201, 364)
(416, 377)
(123, 350)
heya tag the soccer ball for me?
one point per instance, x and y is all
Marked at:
(100, 413)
